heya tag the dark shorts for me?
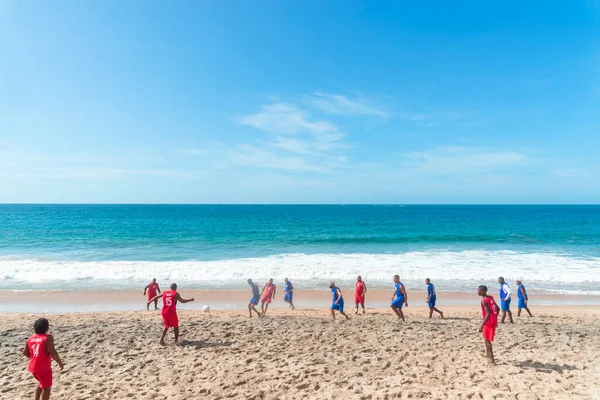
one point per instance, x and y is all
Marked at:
(254, 301)
(398, 303)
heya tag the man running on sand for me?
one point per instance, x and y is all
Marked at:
(169, 311)
(523, 298)
(505, 300)
(40, 351)
(359, 296)
(288, 295)
(431, 299)
(489, 311)
(152, 288)
(399, 298)
(338, 300)
(255, 298)
(268, 295)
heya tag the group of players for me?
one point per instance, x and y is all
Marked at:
(41, 351)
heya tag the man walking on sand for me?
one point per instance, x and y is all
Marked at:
(338, 300)
(359, 296)
(489, 311)
(255, 298)
(288, 295)
(268, 295)
(40, 351)
(169, 311)
(152, 288)
(523, 298)
(505, 300)
(431, 299)
(399, 298)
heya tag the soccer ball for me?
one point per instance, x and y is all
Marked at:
(206, 308)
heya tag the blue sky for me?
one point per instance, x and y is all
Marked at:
(299, 102)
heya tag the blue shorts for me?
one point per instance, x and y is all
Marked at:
(522, 304)
(505, 305)
(398, 303)
(431, 302)
(288, 297)
(254, 300)
(338, 306)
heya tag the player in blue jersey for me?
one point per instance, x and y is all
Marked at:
(338, 300)
(255, 298)
(400, 298)
(288, 294)
(523, 298)
(431, 298)
(505, 300)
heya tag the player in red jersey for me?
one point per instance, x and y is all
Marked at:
(40, 351)
(169, 311)
(152, 288)
(359, 296)
(268, 294)
(489, 311)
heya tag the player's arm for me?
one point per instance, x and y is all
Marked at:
(523, 293)
(339, 293)
(429, 293)
(158, 296)
(291, 288)
(182, 300)
(274, 291)
(26, 352)
(52, 351)
(158, 288)
(146, 289)
(364, 288)
(487, 315)
(405, 295)
(507, 291)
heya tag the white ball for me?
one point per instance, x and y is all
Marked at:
(206, 308)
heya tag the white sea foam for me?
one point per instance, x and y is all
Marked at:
(460, 269)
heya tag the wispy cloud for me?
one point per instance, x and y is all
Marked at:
(338, 104)
(281, 118)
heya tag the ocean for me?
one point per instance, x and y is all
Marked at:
(100, 247)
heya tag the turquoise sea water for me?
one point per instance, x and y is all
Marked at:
(555, 248)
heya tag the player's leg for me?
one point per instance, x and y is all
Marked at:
(519, 312)
(510, 318)
(176, 330)
(156, 304)
(344, 314)
(333, 313)
(46, 393)
(430, 312)
(528, 312)
(162, 337)
(250, 307)
(38, 392)
(489, 353)
(503, 316)
(438, 311)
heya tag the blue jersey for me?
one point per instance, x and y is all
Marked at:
(334, 292)
(504, 291)
(288, 286)
(430, 290)
(520, 295)
(255, 291)
(399, 294)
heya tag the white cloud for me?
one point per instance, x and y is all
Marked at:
(338, 104)
(281, 118)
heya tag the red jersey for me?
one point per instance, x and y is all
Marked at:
(360, 288)
(152, 289)
(269, 289)
(493, 308)
(169, 302)
(40, 360)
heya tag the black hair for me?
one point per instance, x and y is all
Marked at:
(397, 276)
(483, 287)
(173, 286)
(41, 326)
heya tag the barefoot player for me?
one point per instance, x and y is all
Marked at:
(505, 300)
(169, 311)
(152, 288)
(523, 298)
(40, 351)
(489, 311)
(431, 299)
(338, 300)
(288, 295)
(399, 298)
(255, 298)
(359, 295)
(268, 295)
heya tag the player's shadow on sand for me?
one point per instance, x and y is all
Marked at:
(546, 367)
(199, 344)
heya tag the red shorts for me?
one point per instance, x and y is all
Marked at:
(44, 378)
(358, 299)
(151, 296)
(488, 333)
(266, 300)
(171, 320)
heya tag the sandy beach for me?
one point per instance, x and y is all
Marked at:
(304, 354)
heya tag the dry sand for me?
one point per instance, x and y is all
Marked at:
(303, 354)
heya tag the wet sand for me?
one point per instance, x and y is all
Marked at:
(303, 354)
